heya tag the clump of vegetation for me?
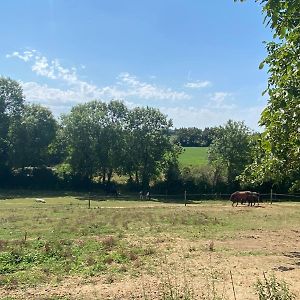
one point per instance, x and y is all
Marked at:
(170, 287)
(50, 258)
(272, 289)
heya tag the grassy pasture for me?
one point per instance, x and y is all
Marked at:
(193, 156)
(43, 243)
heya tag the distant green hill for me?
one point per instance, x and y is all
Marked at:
(193, 156)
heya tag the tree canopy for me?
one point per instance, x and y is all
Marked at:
(280, 141)
(230, 151)
(11, 108)
(106, 138)
(194, 137)
(30, 141)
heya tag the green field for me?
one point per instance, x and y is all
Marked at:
(47, 244)
(193, 156)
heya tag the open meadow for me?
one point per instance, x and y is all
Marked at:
(193, 156)
(118, 249)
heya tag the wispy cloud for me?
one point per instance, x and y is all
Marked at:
(220, 100)
(146, 90)
(72, 90)
(60, 100)
(49, 95)
(127, 85)
(197, 84)
(25, 56)
(42, 66)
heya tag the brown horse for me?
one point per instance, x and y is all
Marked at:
(253, 198)
(244, 196)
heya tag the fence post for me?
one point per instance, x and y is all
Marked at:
(89, 200)
(271, 196)
(184, 197)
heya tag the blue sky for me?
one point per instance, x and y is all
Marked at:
(195, 60)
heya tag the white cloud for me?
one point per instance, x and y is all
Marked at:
(219, 100)
(208, 117)
(63, 100)
(41, 67)
(192, 116)
(26, 56)
(47, 95)
(44, 93)
(197, 84)
(128, 85)
(219, 107)
(148, 91)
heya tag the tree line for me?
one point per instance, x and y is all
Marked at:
(95, 141)
(193, 136)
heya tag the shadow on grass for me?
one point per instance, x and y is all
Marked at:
(94, 196)
(19, 194)
(130, 197)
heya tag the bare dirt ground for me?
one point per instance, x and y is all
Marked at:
(199, 262)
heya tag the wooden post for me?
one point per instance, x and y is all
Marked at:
(185, 198)
(89, 200)
(271, 196)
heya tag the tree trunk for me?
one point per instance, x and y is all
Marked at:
(103, 176)
(137, 181)
(109, 175)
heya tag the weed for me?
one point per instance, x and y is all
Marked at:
(272, 289)
(109, 242)
(211, 246)
(3, 245)
(109, 279)
(132, 256)
(149, 251)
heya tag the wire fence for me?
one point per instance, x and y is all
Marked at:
(264, 197)
(184, 197)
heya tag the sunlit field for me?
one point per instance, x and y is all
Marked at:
(193, 156)
(46, 247)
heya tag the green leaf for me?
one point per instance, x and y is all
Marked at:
(261, 65)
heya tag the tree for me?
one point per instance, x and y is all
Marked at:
(95, 139)
(102, 139)
(11, 107)
(82, 134)
(189, 137)
(230, 151)
(113, 150)
(280, 141)
(148, 143)
(30, 141)
(171, 166)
